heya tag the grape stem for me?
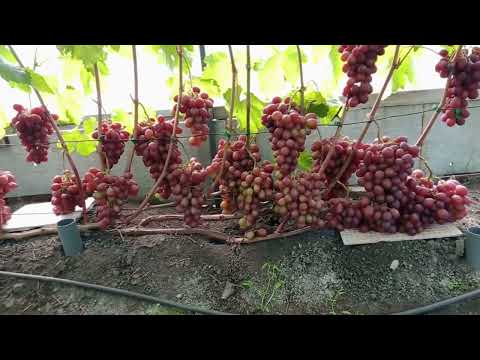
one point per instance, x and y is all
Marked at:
(370, 118)
(425, 162)
(213, 217)
(248, 94)
(103, 162)
(128, 168)
(173, 140)
(302, 85)
(60, 138)
(432, 120)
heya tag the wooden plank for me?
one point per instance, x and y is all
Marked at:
(40, 214)
(355, 237)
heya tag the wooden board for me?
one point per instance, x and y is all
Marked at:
(355, 237)
(38, 215)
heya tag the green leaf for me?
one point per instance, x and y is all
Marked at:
(227, 95)
(167, 54)
(4, 122)
(115, 48)
(218, 68)
(305, 160)
(86, 148)
(88, 54)
(90, 125)
(86, 77)
(12, 73)
(329, 117)
(336, 63)
(38, 81)
(450, 48)
(70, 136)
(319, 52)
(7, 55)
(24, 87)
(102, 68)
(270, 76)
(256, 111)
(124, 118)
(404, 74)
(69, 106)
(290, 66)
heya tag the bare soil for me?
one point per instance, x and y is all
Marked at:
(313, 273)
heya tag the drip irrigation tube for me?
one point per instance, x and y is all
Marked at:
(417, 311)
(115, 291)
(441, 304)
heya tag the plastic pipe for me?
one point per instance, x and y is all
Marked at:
(472, 247)
(70, 236)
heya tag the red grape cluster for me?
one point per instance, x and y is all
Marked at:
(196, 106)
(7, 184)
(256, 187)
(33, 128)
(341, 152)
(185, 183)
(153, 140)
(359, 66)
(110, 193)
(112, 137)
(65, 193)
(464, 84)
(236, 157)
(288, 129)
(299, 198)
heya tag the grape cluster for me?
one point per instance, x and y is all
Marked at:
(342, 150)
(185, 183)
(33, 128)
(288, 129)
(110, 193)
(359, 66)
(65, 193)
(299, 198)
(7, 184)
(256, 187)
(112, 138)
(153, 140)
(238, 158)
(196, 109)
(464, 84)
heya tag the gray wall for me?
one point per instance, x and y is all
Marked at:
(448, 150)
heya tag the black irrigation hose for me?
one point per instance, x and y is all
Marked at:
(115, 291)
(441, 304)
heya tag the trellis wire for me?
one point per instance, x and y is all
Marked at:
(333, 124)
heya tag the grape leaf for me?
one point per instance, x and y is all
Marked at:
(329, 117)
(218, 68)
(124, 118)
(12, 73)
(90, 125)
(69, 106)
(38, 81)
(167, 54)
(305, 160)
(115, 48)
(270, 76)
(290, 66)
(70, 137)
(24, 87)
(404, 74)
(86, 78)
(336, 64)
(88, 54)
(4, 122)
(102, 68)
(314, 102)
(7, 55)
(85, 148)
(319, 52)
(256, 111)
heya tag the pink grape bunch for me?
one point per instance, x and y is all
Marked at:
(65, 193)
(33, 128)
(7, 184)
(112, 139)
(110, 193)
(186, 184)
(359, 65)
(463, 84)
(239, 157)
(196, 107)
(288, 131)
(153, 140)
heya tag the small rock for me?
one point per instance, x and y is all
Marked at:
(17, 287)
(394, 265)
(228, 291)
(115, 272)
(179, 296)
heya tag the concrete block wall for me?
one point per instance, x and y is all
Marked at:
(448, 150)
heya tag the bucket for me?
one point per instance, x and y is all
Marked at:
(70, 236)
(472, 247)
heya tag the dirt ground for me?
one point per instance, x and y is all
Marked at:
(312, 273)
